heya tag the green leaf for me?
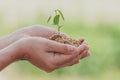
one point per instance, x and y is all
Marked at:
(49, 19)
(56, 19)
(61, 14)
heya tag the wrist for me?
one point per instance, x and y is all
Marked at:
(22, 49)
(7, 40)
(7, 56)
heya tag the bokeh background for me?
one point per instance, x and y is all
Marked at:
(98, 21)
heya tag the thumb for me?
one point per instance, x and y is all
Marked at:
(61, 48)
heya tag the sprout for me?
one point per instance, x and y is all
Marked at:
(56, 19)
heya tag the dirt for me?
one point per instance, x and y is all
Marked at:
(61, 39)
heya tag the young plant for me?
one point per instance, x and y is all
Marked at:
(56, 19)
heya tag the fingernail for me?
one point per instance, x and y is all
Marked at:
(84, 53)
(86, 46)
(87, 55)
(72, 49)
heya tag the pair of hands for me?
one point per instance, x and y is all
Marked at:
(32, 44)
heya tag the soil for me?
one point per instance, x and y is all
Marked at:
(61, 39)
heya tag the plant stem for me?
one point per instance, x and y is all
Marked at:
(59, 27)
(55, 12)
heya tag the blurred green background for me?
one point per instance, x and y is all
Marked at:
(98, 21)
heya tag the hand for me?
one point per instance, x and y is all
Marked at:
(49, 55)
(33, 31)
(40, 31)
(11, 47)
(37, 31)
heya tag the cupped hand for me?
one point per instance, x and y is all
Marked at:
(49, 55)
(37, 31)
(30, 31)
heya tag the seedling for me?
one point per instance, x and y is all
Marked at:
(56, 19)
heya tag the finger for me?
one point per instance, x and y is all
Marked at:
(85, 55)
(81, 55)
(86, 48)
(62, 59)
(81, 40)
(77, 59)
(36, 30)
(60, 48)
(85, 43)
(74, 61)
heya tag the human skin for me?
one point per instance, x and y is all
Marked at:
(42, 53)
(24, 45)
(33, 31)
